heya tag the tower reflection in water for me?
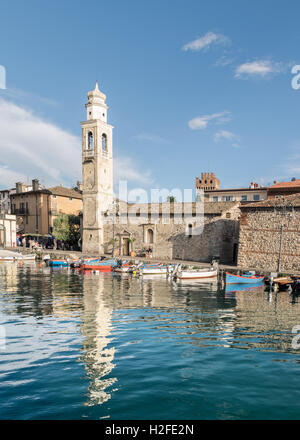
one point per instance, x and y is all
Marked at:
(98, 354)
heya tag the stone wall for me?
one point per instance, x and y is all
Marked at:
(259, 240)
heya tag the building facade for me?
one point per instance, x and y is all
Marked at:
(37, 208)
(213, 193)
(183, 235)
(7, 230)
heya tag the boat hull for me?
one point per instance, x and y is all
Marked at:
(99, 267)
(19, 258)
(239, 279)
(153, 271)
(194, 275)
(57, 263)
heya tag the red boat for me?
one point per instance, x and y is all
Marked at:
(101, 267)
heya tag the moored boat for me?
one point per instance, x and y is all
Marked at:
(57, 263)
(194, 274)
(15, 256)
(104, 265)
(153, 269)
(242, 279)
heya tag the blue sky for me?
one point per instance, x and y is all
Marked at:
(192, 86)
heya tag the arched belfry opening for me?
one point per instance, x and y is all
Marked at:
(90, 140)
(104, 143)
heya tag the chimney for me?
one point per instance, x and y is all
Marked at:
(35, 185)
(20, 187)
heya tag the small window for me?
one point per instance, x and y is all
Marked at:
(256, 197)
(215, 198)
(227, 198)
(244, 198)
(54, 196)
(70, 198)
(228, 214)
(190, 231)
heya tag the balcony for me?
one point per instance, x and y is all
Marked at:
(20, 211)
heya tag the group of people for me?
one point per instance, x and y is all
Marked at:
(35, 242)
(32, 242)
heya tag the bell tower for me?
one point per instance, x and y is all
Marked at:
(97, 170)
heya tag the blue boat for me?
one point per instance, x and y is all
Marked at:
(58, 263)
(242, 279)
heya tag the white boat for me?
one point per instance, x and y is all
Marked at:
(194, 274)
(18, 257)
(28, 257)
(155, 270)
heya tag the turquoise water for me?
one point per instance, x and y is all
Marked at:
(114, 347)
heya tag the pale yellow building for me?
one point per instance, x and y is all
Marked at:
(36, 209)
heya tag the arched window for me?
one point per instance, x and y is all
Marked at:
(90, 141)
(104, 143)
(150, 236)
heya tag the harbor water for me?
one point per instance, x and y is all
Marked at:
(89, 345)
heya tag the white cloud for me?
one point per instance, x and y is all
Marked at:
(31, 147)
(258, 68)
(229, 136)
(148, 137)
(201, 122)
(205, 42)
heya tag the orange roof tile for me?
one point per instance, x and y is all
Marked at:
(291, 184)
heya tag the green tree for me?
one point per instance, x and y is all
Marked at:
(67, 228)
(171, 199)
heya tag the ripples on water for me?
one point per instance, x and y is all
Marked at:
(113, 346)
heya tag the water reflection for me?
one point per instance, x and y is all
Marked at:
(98, 352)
(111, 328)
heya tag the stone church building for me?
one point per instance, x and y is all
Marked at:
(109, 223)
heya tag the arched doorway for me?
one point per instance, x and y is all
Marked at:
(125, 243)
(150, 236)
